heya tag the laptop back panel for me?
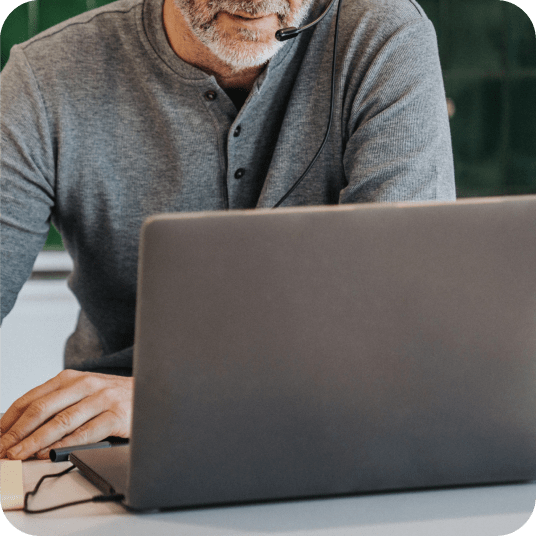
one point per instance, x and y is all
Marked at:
(334, 350)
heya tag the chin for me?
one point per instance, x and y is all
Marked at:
(244, 57)
(245, 49)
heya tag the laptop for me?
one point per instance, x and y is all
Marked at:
(326, 351)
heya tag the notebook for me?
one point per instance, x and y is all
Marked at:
(325, 351)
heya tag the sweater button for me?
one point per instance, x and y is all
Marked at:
(236, 133)
(210, 95)
(239, 173)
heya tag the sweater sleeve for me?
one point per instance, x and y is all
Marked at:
(399, 145)
(27, 175)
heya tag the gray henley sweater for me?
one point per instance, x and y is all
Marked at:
(103, 125)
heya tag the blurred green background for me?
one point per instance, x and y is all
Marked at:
(488, 56)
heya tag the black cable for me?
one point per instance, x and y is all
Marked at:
(97, 498)
(294, 186)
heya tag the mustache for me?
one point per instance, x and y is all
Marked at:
(280, 7)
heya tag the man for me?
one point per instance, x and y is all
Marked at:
(149, 106)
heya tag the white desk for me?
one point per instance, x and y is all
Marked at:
(478, 511)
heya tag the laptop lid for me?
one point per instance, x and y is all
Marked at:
(332, 350)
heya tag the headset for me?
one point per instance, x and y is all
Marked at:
(290, 33)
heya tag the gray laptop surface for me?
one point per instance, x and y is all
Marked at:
(333, 350)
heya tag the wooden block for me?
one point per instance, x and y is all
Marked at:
(11, 484)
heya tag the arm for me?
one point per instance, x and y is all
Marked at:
(399, 146)
(27, 176)
(74, 407)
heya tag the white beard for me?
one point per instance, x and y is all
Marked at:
(249, 51)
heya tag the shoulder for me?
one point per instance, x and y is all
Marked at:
(383, 12)
(85, 36)
(369, 27)
(376, 21)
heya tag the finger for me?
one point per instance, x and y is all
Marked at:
(61, 425)
(92, 431)
(18, 407)
(42, 409)
(37, 414)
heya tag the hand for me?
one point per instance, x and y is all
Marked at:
(73, 408)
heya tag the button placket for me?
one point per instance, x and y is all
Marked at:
(240, 171)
